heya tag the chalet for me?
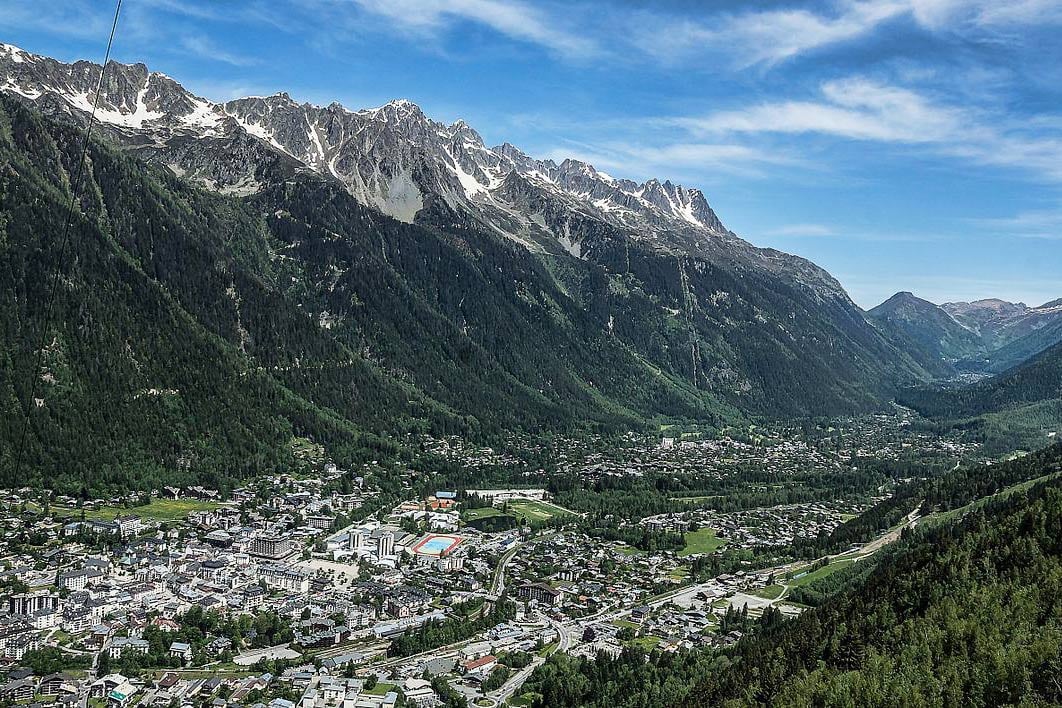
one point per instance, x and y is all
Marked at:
(18, 690)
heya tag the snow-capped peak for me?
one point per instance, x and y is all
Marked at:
(391, 157)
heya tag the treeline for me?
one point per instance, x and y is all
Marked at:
(637, 536)
(750, 487)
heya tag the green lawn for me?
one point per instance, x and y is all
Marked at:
(822, 572)
(648, 642)
(380, 689)
(547, 649)
(481, 513)
(771, 592)
(701, 541)
(521, 701)
(157, 510)
(537, 510)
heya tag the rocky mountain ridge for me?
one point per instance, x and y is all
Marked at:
(394, 159)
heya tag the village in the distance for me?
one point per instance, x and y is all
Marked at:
(317, 589)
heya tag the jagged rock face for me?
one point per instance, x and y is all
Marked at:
(397, 160)
(389, 157)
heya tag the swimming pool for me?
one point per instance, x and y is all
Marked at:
(436, 545)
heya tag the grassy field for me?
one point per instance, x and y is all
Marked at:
(481, 513)
(678, 574)
(822, 572)
(701, 541)
(380, 689)
(533, 511)
(157, 510)
(771, 592)
(648, 643)
(537, 510)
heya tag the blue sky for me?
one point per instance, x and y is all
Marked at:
(902, 144)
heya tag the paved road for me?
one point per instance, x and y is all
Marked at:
(515, 682)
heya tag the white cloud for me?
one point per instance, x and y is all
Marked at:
(677, 160)
(513, 19)
(1041, 224)
(862, 109)
(204, 48)
(768, 37)
(853, 108)
(76, 18)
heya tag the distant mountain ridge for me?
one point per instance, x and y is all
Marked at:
(930, 328)
(984, 336)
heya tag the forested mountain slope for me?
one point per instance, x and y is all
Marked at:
(606, 268)
(191, 337)
(165, 331)
(966, 613)
(1036, 380)
(929, 331)
(195, 333)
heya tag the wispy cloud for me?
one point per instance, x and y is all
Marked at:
(852, 108)
(769, 37)
(765, 37)
(515, 20)
(862, 109)
(76, 18)
(1041, 224)
(204, 48)
(802, 231)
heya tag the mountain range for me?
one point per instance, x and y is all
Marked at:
(354, 275)
(985, 336)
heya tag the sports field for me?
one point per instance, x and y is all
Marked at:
(480, 513)
(810, 577)
(536, 510)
